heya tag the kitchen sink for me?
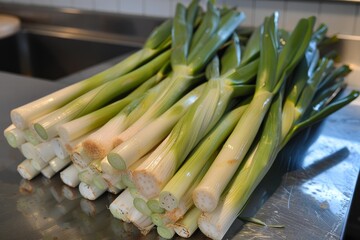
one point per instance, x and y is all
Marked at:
(52, 55)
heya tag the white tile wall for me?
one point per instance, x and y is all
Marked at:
(84, 4)
(340, 17)
(247, 6)
(265, 8)
(59, 3)
(131, 6)
(160, 8)
(107, 5)
(357, 22)
(297, 10)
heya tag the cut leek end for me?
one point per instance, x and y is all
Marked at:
(140, 204)
(116, 161)
(26, 170)
(205, 199)
(86, 177)
(168, 201)
(90, 192)
(126, 180)
(69, 176)
(41, 131)
(186, 226)
(182, 231)
(157, 219)
(154, 205)
(165, 232)
(146, 183)
(11, 139)
(100, 182)
(94, 149)
(17, 119)
(119, 184)
(118, 213)
(209, 229)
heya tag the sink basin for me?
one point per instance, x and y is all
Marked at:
(53, 55)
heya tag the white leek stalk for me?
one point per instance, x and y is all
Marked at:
(48, 172)
(31, 136)
(87, 174)
(26, 170)
(59, 148)
(216, 223)
(121, 206)
(28, 150)
(142, 222)
(38, 164)
(57, 164)
(44, 151)
(184, 178)
(69, 176)
(79, 158)
(90, 192)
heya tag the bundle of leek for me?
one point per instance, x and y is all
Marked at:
(202, 116)
(23, 116)
(190, 54)
(307, 102)
(274, 68)
(35, 124)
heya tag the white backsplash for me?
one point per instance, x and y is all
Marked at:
(343, 18)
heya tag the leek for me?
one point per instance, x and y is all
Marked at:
(147, 138)
(156, 43)
(14, 136)
(186, 64)
(69, 176)
(197, 122)
(270, 79)
(100, 142)
(90, 191)
(26, 170)
(98, 97)
(216, 223)
(186, 226)
(154, 206)
(183, 179)
(48, 172)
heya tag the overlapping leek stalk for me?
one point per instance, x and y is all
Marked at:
(270, 79)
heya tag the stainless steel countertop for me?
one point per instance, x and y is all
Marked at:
(309, 189)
